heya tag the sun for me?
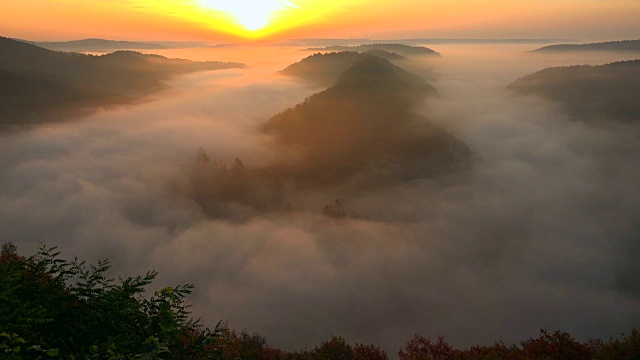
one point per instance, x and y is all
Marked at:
(247, 19)
(253, 15)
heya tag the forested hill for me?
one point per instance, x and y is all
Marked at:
(365, 119)
(626, 45)
(401, 49)
(38, 82)
(361, 134)
(98, 45)
(325, 69)
(609, 91)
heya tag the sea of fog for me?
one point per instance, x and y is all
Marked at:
(540, 233)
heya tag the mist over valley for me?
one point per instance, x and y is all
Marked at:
(475, 191)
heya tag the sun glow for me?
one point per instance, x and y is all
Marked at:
(256, 19)
(251, 14)
(224, 20)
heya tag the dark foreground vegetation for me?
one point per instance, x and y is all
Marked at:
(55, 308)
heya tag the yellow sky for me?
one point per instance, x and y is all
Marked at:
(226, 20)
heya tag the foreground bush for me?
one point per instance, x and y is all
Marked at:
(547, 346)
(50, 307)
(54, 308)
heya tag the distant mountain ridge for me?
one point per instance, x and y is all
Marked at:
(387, 55)
(97, 45)
(625, 45)
(607, 91)
(104, 45)
(36, 81)
(400, 49)
(316, 43)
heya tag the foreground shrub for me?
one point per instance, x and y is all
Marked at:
(52, 307)
(338, 348)
(239, 346)
(421, 348)
(626, 348)
(559, 345)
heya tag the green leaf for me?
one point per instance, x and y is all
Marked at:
(53, 352)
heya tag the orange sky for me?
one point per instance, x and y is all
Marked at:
(227, 20)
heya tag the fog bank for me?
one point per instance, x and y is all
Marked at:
(541, 232)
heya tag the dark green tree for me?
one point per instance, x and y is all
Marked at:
(74, 310)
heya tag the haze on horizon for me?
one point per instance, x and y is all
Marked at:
(55, 20)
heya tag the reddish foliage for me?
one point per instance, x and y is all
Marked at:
(234, 345)
(559, 345)
(8, 254)
(626, 348)
(421, 348)
(369, 352)
(497, 351)
(334, 348)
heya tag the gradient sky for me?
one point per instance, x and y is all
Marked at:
(224, 20)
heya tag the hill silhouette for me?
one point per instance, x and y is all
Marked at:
(626, 45)
(400, 49)
(98, 45)
(364, 121)
(324, 69)
(588, 92)
(373, 74)
(38, 82)
(387, 55)
(358, 135)
(25, 99)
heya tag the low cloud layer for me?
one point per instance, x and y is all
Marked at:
(542, 232)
